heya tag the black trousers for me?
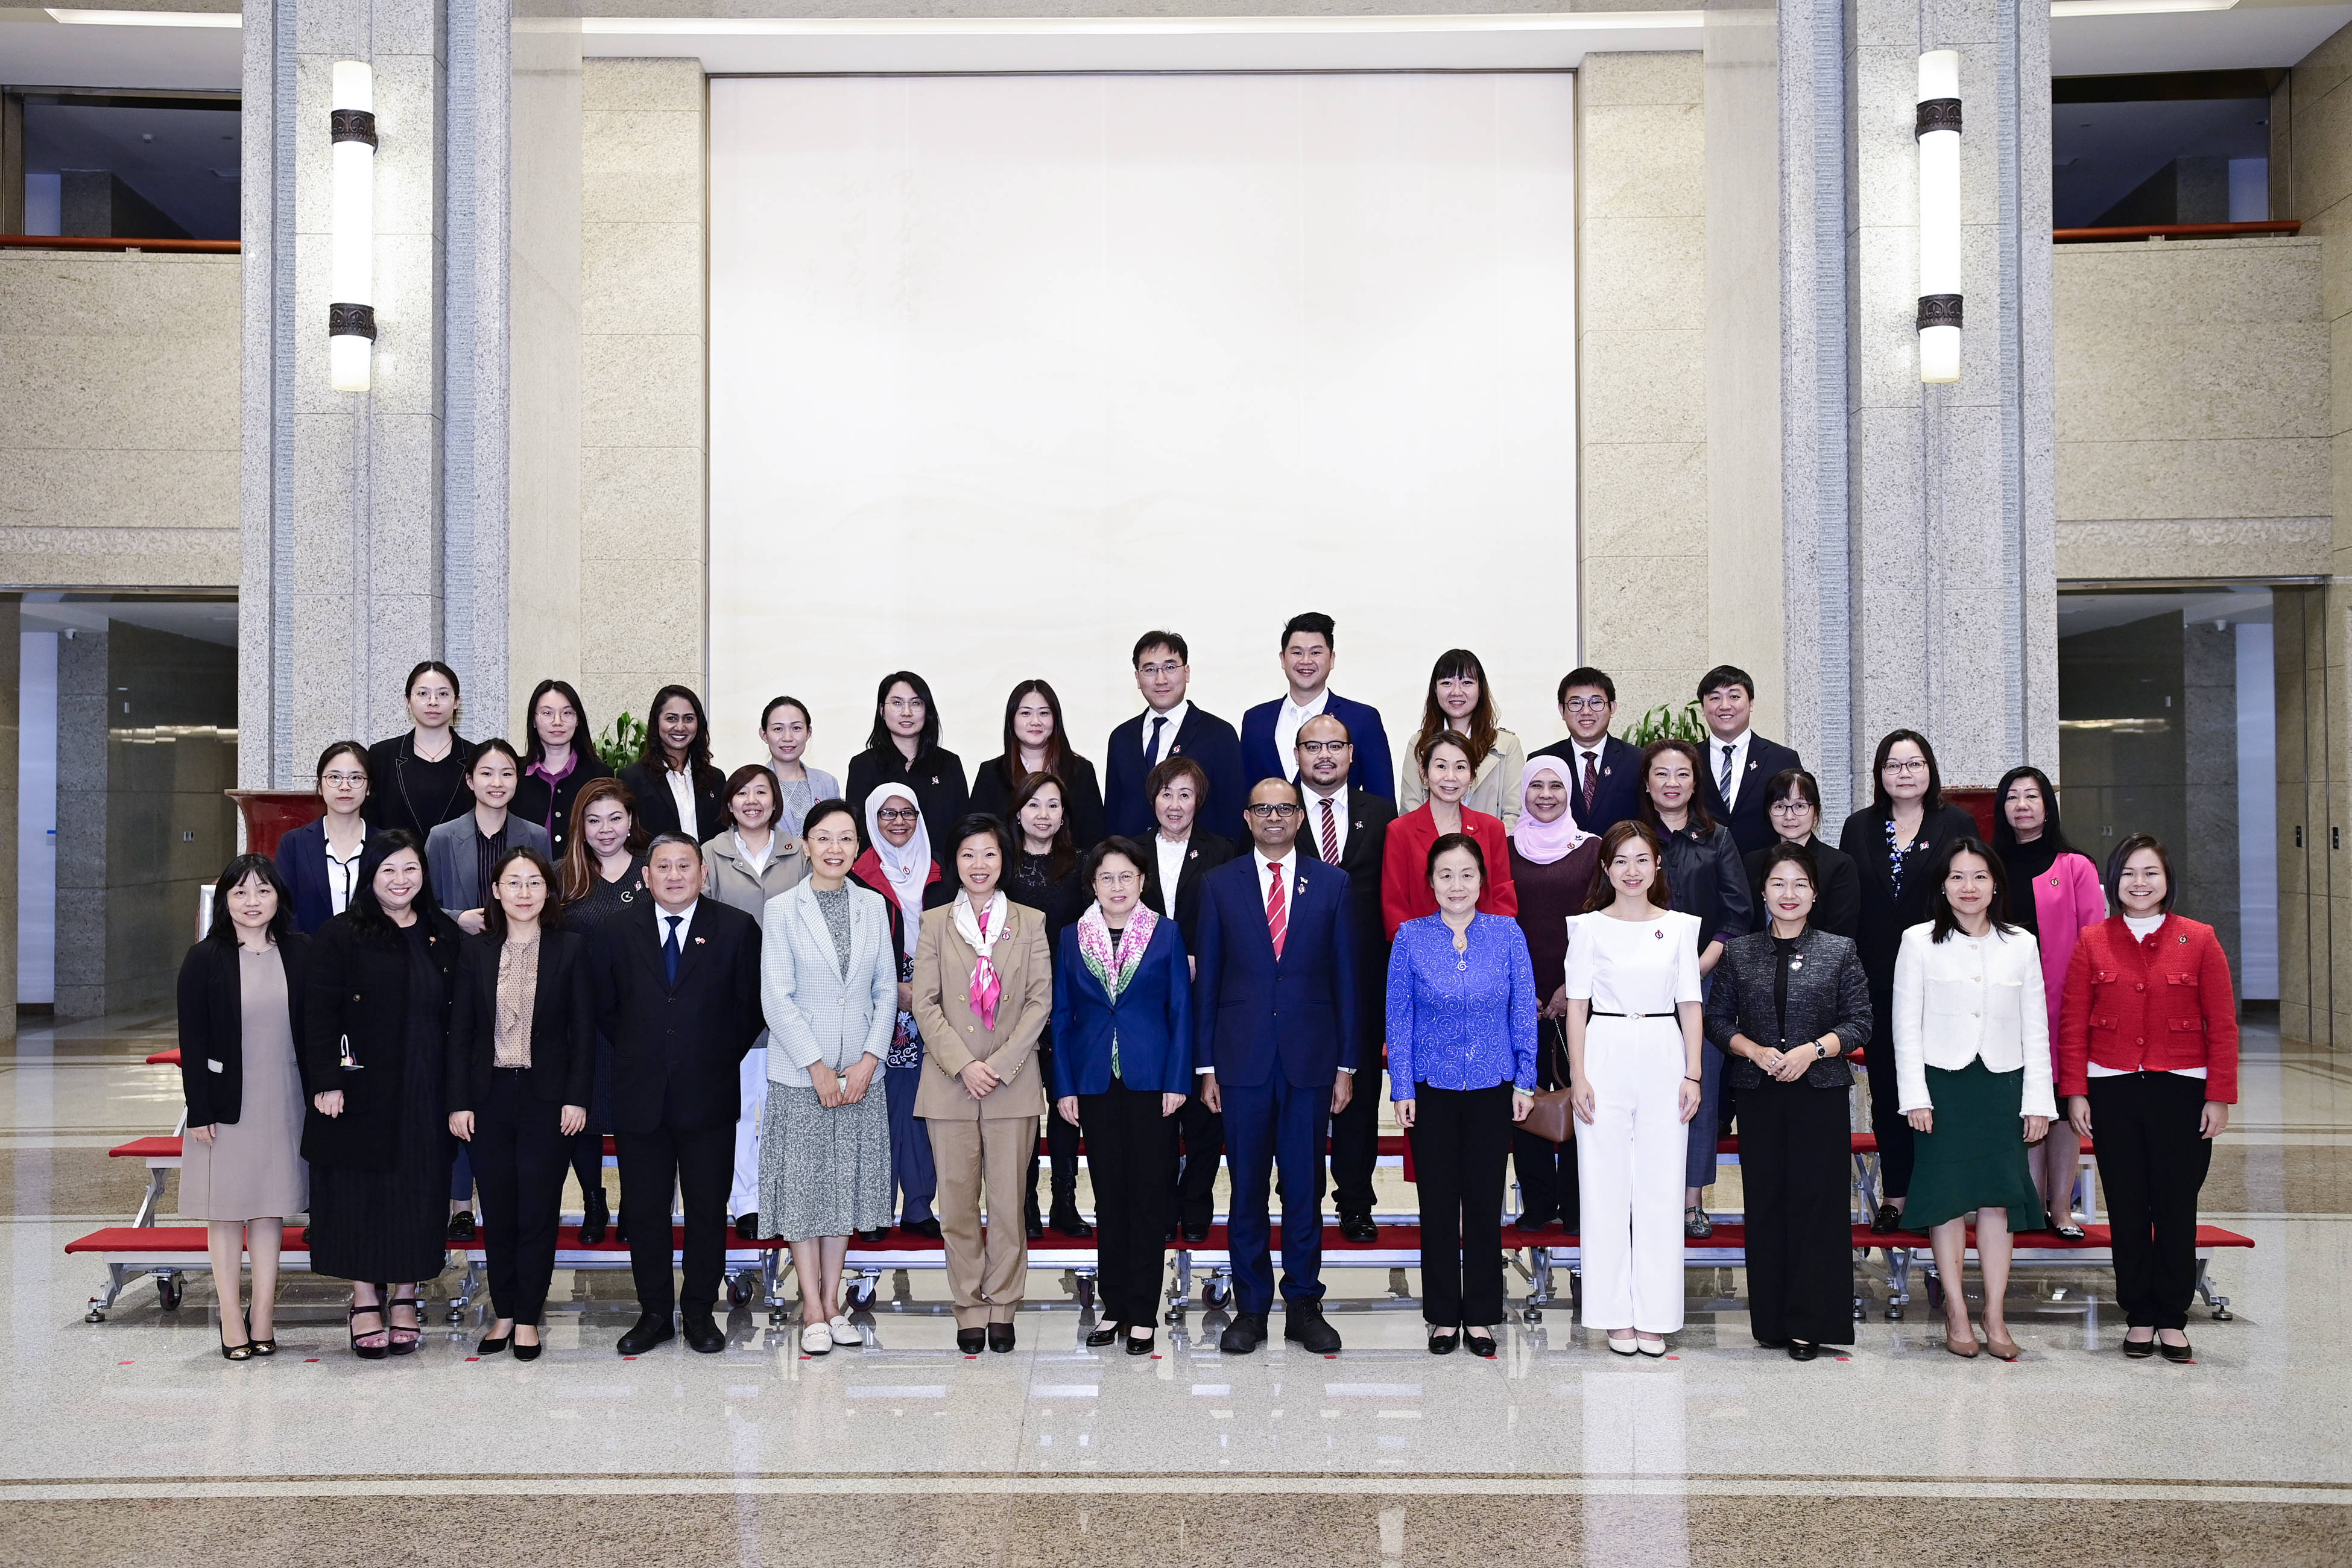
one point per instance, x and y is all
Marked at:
(1061, 1150)
(1356, 1145)
(1793, 1148)
(1194, 1176)
(1460, 1137)
(700, 1163)
(2152, 1161)
(520, 1157)
(1129, 1144)
(1887, 1123)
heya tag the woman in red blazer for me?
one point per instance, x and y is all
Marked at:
(2053, 893)
(2148, 1054)
(1445, 767)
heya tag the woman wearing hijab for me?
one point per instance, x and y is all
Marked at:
(984, 990)
(897, 864)
(2054, 894)
(1554, 863)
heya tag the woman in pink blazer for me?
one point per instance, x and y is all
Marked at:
(2067, 897)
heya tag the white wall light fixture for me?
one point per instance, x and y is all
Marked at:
(1938, 132)
(350, 316)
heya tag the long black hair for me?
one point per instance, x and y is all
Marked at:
(367, 916)
(223, 929)
(534, 750)
(2004, 837)
(697, 752)
(879, 736)
(1943, 922)
(1884, 803)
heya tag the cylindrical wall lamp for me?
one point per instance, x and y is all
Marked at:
(350, 316)
(1938, 130)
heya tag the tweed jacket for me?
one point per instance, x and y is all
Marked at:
(1828, 992)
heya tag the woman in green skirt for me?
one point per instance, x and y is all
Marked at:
(1972, 1066)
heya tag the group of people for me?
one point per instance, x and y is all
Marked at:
(820, 1013)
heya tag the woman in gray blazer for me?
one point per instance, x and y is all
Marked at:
(1789, 1004)
(829, 987)
(459, 853)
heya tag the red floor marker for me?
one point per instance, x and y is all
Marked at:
(473, 1358)
(122, 1363)
(309, 1361)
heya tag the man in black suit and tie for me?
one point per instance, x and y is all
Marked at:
(1739, 761)
(1349, 829)
(1604, 772)
(1182, 854)
(1170, 726)
(677, 992)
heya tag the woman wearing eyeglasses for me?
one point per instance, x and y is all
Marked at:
(321, 860)
(1794, 808)
(1891, 841)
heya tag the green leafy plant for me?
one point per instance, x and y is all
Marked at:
(623, 743)
(1662, 723)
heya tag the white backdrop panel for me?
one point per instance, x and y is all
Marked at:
(1005, 370)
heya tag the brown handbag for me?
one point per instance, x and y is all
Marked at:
(1552, 1114)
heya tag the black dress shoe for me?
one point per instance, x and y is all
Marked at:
(1244, 1335)
(2180, 1354)
(1303, 1321)
(651, 1329)
(1143, 1345)
(1443, 1340)
(595, 1218)
(1105, 1335)
(529, 1352)
(1530, 1226)
(971, 1342)
(1889, 1219)
(490, 1346)
(1359, 1227)
(2140, 1350)
(1036, 1227)
(880, 1233)
(1800, 1351)
(999, 1337)
(1196, 1231)
(702, 1335)
(1070, 1223)
(747, 1226)
(461, 1225)
(927, 1229)
(1478, 1342)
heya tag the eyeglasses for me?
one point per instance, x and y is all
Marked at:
(1791, 807)
(1587, 704)
(1276, 809)
(898, 814)
(1110, 879)
(342, 780)
(1911, 766)
(1170, 668)
(1324, 748)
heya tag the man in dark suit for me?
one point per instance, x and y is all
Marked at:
(1182, 854)
(1739, 761)
(1170, 726)
(1605, 774)
(1270, 729)
(1276, 994)
(1349, 829)
(677, 992)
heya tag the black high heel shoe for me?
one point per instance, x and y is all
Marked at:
(531, 1351)
(369, 1352)
(492, 1345)
(1106, 1335)
(1143, 1345)
(260, 1347)
(239, 1352)
(416, 1334)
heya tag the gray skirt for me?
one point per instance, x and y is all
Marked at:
(823, 1173)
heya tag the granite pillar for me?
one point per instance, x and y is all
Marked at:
(11, 647)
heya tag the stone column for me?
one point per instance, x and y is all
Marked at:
(11, 674)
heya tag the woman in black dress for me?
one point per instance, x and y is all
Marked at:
(1044, 875)
(375, 1034)
(903, 748)
(1035, 743)
(416, 782)
(1891, 841)
(601, 874)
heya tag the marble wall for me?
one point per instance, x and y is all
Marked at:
(119, 447)
(10, 656)
(642, 556)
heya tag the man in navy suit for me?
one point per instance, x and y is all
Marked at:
(1604, 772)
(1170, 726)
(1739, 761)
(1275, 1029)
(1270, 729)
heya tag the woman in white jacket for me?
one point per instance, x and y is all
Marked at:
(829, 989)
(1973, 1066)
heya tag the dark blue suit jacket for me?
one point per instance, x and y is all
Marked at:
(1208, 741)
(1153, 1018)
(1252, 1014)
(1751, 821)
(1372, 773)
(1618, 795)
(302, 861)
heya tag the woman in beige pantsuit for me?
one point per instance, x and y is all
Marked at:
(984, 990)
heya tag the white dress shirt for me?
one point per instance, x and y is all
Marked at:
(681, 790)
(1714, 744)
(1314, 828)
(1171, 852)
(343, 875)
(1168, 732)
(1965, 998)
(759, 863)
(684, 919)
(1287, 721)
(1289, 864)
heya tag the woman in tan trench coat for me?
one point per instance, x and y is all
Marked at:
(984, 990)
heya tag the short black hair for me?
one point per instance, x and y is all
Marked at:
(494, 913)
(878, 737)
(356, 748)
(2132, 845)
(1880, 800)
(1172, 641)
(1790, 851)
(659, 839)
(365, 911)
(1314, 621)
(1445, 841)
(1117, 844)
(433, 667)
(775, 702)
(1585, 674)
(1296, 792)
(972, 824)
(223, 930)
(1724, 675)
(1780, 785)
(493, 746)
(824, 808)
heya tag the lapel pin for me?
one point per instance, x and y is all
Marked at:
(1659, 935)
(697, 941)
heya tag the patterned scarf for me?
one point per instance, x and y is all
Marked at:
(981, 926)
(1115, 966)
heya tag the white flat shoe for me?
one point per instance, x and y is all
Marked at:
(1652, 1348)
(1622, 1347)
(844, 1332)
(816, 1340)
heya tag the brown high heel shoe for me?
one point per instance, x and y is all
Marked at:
(2003, 1348)
(1964, 1347)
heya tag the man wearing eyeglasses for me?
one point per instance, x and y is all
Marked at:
(1349, 829)
(1170, 726)
(1604, 772)
(1276, 1031)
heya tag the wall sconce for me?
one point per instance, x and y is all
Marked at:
(350, 316)
(1938, 131)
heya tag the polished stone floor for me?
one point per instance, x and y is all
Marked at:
(132, 1435)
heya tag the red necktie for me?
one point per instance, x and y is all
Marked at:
(1330, 834)
(1277, 912)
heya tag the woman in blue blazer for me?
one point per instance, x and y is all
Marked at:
(1122, 1064)
(320, 861)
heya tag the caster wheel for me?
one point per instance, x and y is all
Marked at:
(1085, 1292)
(1216, 1294)
(861, 1296)
(167, 1292)
(738, 1291)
